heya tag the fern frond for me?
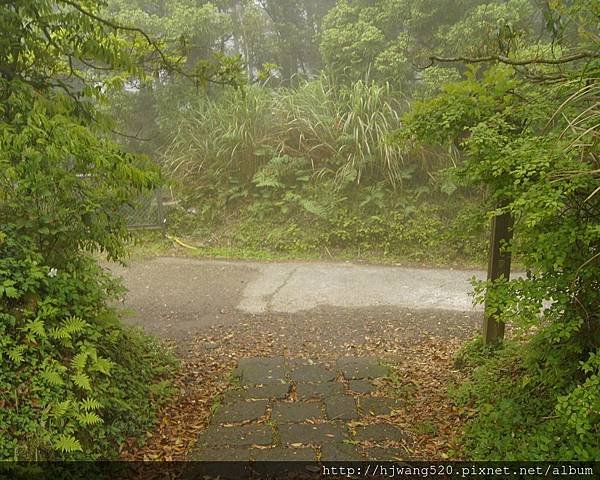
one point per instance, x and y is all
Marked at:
(313, 207)
(78, 362)
(52, 376)
(59, 333)
(92, 352)
(89, 418)
(82, 381)
(91, 404)
(36, 327)
(74, 325)
(60, 409)
(67, 444)
(266, 179)
(103, 365)
(16, 354)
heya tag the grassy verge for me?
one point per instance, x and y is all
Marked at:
(432, 234)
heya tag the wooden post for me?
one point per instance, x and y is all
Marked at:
(498, 266)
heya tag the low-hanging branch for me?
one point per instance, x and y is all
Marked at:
(519, 63)
(151, 42)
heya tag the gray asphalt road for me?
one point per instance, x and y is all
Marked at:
(174, 296)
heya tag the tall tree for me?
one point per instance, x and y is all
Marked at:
(389, 40)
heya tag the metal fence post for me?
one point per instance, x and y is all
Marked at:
(160, 211)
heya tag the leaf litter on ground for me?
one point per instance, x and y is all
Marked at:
(421, 364)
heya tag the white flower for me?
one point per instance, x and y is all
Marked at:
(52, 273)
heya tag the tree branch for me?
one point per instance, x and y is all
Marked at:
(502, 59)
(117, 26)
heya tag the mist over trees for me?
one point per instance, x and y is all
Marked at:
(390, 131)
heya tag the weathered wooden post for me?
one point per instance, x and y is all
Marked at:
(498, 266)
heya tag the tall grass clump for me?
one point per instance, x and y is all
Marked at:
(342, 132)
(222, 136)
(307, 120)
(369, 114)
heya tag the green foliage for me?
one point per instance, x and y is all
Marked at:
(533, 145)
(387, 41)
(316, 168)
(317, 220)
(214, 44)
(520, 414)
(340, 133)
(224, 136)
(343, 131)
(490, 28)
(185, 27)
(62, 179)
(473, 354)
(68, 387)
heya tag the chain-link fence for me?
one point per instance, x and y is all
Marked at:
(147, 212)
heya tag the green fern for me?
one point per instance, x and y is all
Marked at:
(67, 444)
(91, 352)
(60, 409)
(74, 325)
(36, 327)
(68, 327)
(91, 404)
(267, 179)
(16, 354)
(52, 376)
(89, 418)
(102, 365)
(59, 333)
(313, 207)
(82, 381)
(78, 362)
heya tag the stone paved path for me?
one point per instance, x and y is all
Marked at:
(285, 409)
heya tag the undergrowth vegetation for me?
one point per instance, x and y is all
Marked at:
(518, 408)
(340, 132)
(539, 398)
(317, 170)
(74, 383)
(302, 224)
(386, 130)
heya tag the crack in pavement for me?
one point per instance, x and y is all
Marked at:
(269, 298)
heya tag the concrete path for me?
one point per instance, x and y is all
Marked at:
(255, 287)
(288, 287)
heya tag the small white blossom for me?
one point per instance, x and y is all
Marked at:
(52, 273)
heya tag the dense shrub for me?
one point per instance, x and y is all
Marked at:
(73, 382)
(513, 403)
(300, 170)
(340, 132)
(538, 159)
(316, 220)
